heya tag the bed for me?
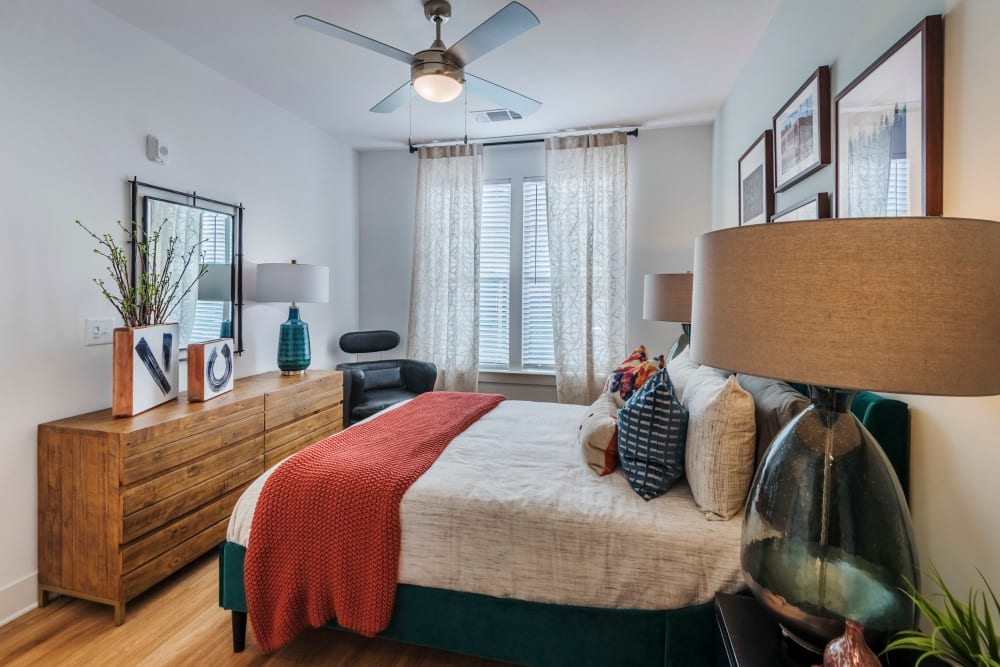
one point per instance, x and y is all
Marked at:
(513, 550)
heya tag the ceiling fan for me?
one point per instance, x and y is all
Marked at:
(438, 73)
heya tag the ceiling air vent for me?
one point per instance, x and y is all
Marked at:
(495, 115)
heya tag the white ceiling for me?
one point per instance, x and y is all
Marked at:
(592, 64)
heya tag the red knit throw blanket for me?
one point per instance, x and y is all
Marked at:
(325, 538)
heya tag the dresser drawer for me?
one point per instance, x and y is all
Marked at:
(160, 500)
(140, 579)
(160, 541)
(287, 407)
(172, 454)
(330, 419)
(205, 417)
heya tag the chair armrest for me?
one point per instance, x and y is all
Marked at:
(354, 389)
(418, 376)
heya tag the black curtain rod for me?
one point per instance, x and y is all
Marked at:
(631, 133)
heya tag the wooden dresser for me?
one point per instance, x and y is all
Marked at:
(124, 502)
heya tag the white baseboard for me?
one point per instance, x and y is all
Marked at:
(18, 598)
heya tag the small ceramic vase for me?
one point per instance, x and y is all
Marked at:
(850, 649)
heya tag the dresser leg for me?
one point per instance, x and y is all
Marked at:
(119, 613)
(43, 597)
(239, 631)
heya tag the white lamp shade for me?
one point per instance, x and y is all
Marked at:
(437, 87)
(905, 305)
(307, 283)
(666, 297)
(217, 283)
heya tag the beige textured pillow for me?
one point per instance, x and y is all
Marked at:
(598, 435)
(721, 443)
(680, 369)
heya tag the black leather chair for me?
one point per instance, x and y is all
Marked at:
(372, 386)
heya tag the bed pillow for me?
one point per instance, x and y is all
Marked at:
(721, 442)
(598, 435)
(632, 373)
(681, 368)
(652, 430)
(775, 404)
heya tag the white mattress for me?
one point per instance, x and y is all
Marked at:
(510, 509)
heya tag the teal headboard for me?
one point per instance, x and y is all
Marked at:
(889, 421)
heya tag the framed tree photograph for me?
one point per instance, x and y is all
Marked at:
(890, 135)
(802, 131)
(813, 208)
(756, 186)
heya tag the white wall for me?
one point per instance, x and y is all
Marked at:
(80, 90)
(954, 440)
(669, 205)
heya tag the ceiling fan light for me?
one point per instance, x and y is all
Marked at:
(437, 87)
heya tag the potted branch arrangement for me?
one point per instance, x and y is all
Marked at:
(146, 349)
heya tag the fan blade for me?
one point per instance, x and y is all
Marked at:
(505, 97)
(393, 100)
(322, 26)
(498, 29)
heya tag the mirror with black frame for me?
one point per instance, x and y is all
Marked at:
(213, 308)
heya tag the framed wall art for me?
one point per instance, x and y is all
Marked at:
(890, 136)
(802, 131)
(756, 186)
(813, 208)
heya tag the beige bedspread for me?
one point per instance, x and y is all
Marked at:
(510, 509)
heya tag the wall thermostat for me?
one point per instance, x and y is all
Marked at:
(156, 150)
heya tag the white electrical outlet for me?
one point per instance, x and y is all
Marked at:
(97, 330)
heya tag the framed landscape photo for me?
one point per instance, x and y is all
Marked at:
(890, 134)
(802, 131)
(756, 186)
(813, 208)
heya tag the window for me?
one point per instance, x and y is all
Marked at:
(515, 301)
(536, 281)
(216, 248)
(494, 277)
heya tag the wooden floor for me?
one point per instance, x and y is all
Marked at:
(180, 623)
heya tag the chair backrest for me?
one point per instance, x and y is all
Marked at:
(363, 342)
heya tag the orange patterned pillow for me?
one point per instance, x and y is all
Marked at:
(633, 373)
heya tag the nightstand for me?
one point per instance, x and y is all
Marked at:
(749, 637)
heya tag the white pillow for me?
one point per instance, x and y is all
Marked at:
(721, 442)
(680, 369)
(598, 435)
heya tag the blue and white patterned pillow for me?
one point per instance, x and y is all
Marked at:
(652, 431)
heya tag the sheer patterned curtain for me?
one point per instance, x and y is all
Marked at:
(586, 182)
(444, 293)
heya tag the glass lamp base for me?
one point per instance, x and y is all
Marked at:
(827, 534)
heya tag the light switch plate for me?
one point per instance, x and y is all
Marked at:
(97, 330)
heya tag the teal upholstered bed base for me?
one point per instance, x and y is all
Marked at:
(548, 635)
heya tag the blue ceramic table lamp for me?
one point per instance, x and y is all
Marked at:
(296, 283)
(903, 305)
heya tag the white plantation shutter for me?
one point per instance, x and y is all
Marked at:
(536, 284)
(494, 276)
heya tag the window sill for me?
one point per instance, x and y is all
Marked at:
(538, 378)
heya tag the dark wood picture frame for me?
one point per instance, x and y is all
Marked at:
(754, 180)
(931, 79)
(785, 126)
(822, 200)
